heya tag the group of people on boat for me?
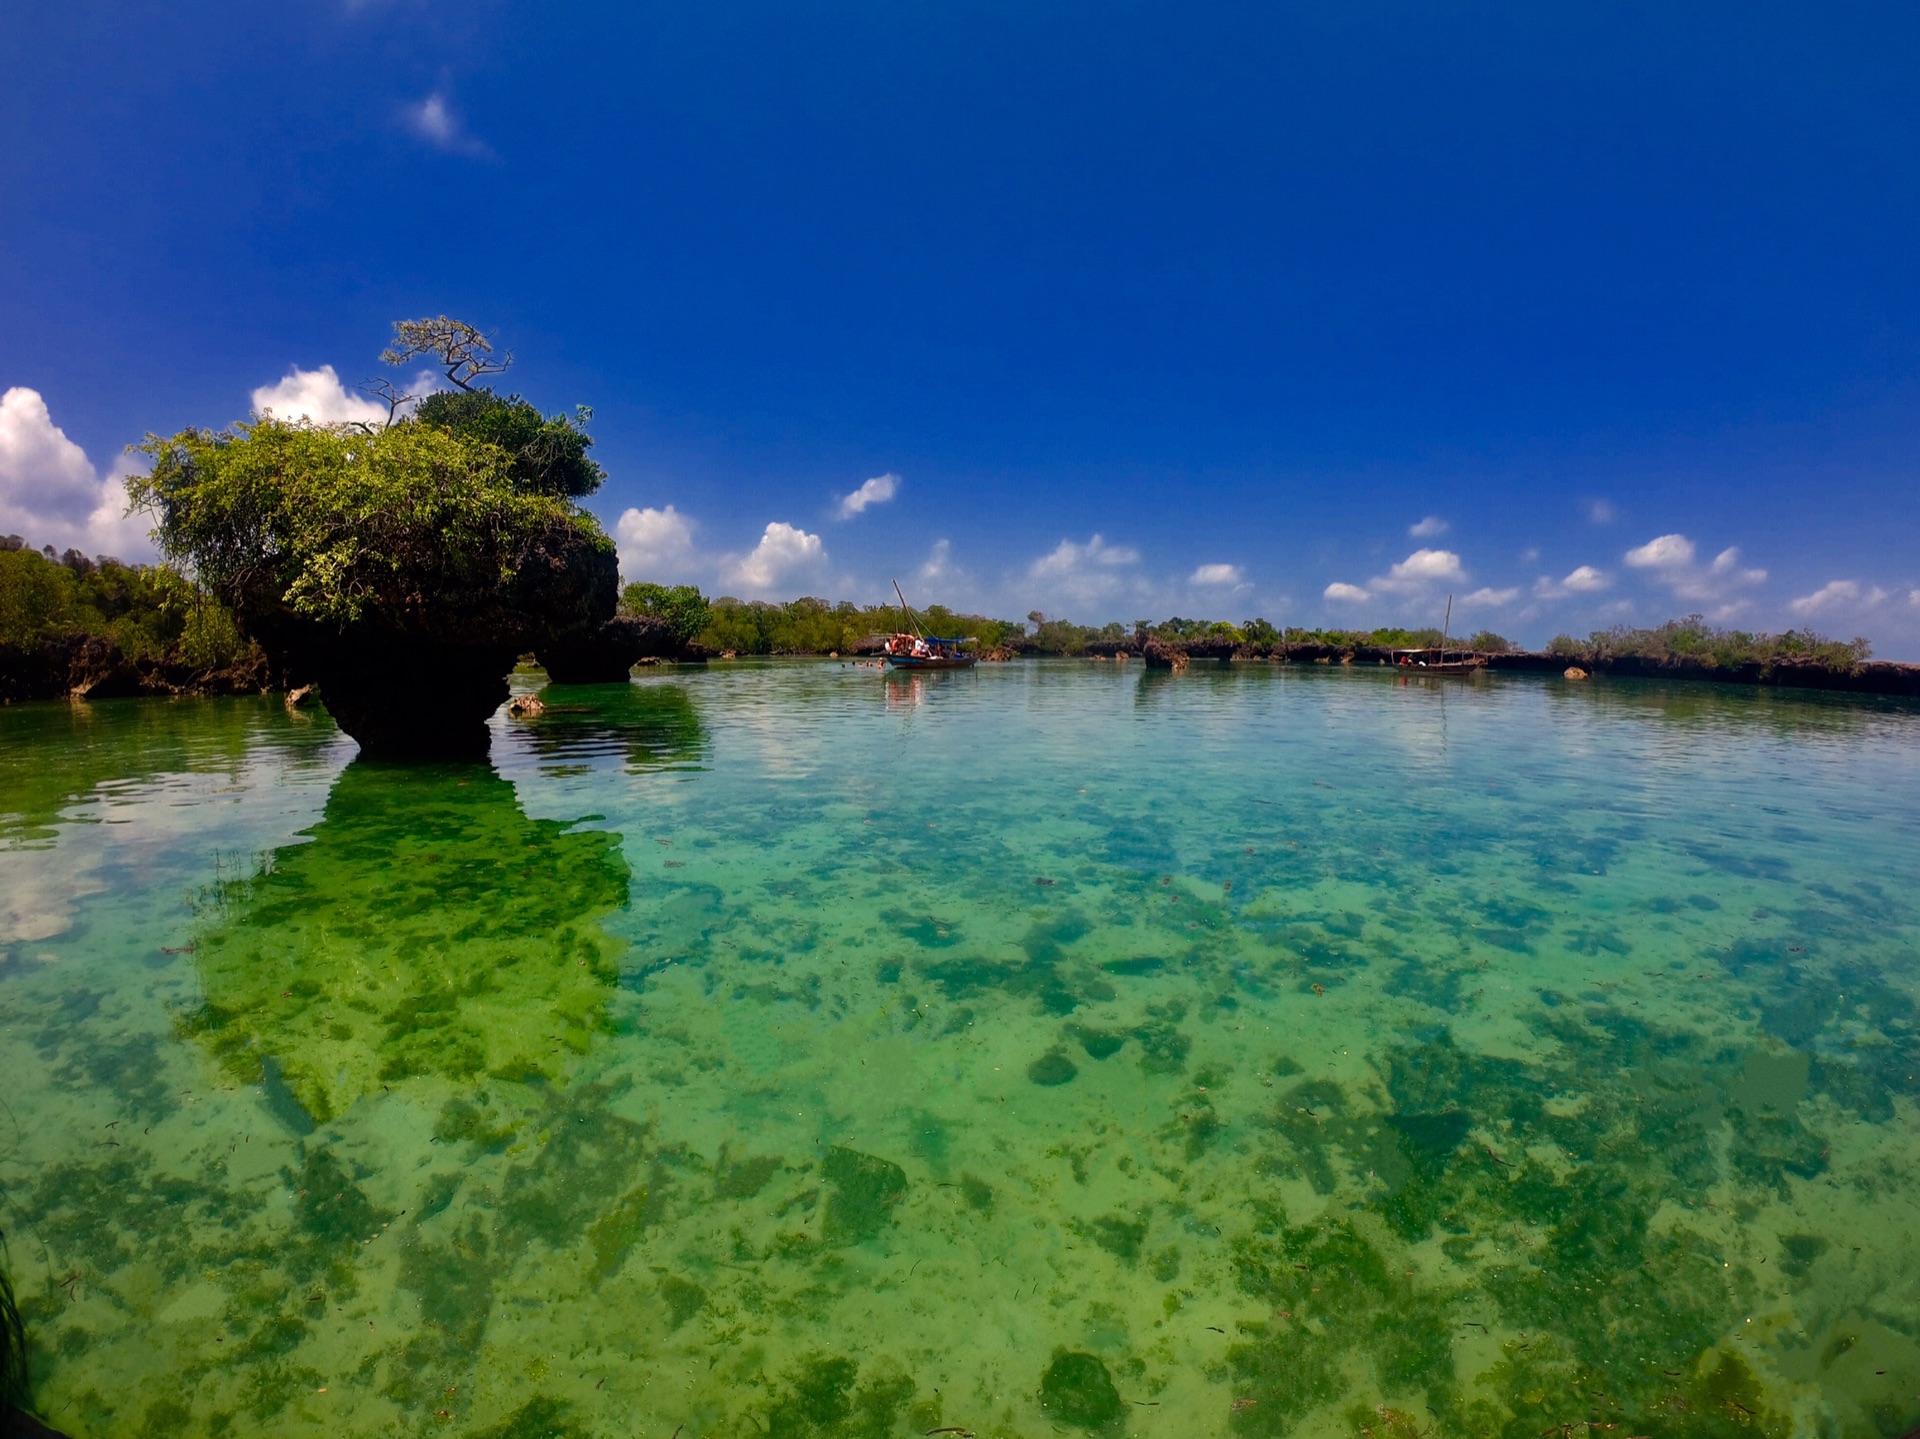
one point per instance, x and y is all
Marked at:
(916, 647)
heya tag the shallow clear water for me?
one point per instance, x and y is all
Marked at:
(789, 1050)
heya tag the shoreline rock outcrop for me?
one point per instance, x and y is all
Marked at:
(607, 653)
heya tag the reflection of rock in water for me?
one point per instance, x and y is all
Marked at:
(652, 726)
(428, 928)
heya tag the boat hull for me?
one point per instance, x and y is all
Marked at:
(945, 662)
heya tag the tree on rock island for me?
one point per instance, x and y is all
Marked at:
(403, 567)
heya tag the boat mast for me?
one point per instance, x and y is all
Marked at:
(1446, 624)
(912, 618)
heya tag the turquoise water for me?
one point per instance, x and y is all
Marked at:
(788, 1050)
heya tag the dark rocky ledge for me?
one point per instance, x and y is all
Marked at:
(94, 667)
(608, 653)
(1877, 677)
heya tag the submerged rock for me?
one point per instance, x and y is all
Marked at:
(1052, 1068)
(1078, 1390)
(865, 1189)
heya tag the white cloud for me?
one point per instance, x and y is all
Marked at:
(1068, 558)
(1421, 570)
(49, 491)
(1490, 598)
(1216, 575)
(1664, 552)
(1843, 595)
(940, 569)
(785, 553)
(1083, 575)
(1670, 559)
(1530, 555)
(876, 491)
(1913, 598)
(1832, 593)
(655, 546)
(1601, 512)
(1586, 580)
(1429, 527)
(317, 395)
(1417, 574)
(42, 471)
(436, 121)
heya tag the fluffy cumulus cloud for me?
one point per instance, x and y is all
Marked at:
(1418, 577)
(1586, 580)
(1843, 595)
(1672, 561)
(656, 546)
(786, 556)
(1214, 576)
(1421, 570)
(1489, 598)
(876, 491)
(1095, 573)
(317, 395)
(940, 568)
(49, 491)
(436, 121)
(1429, 527)
(1665, 553)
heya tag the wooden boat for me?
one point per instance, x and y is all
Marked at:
(1439, 659)
(938, 658)
(915, 649)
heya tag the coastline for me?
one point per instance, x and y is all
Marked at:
(91, 667)
(1876, 677)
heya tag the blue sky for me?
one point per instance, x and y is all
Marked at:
(1581, 313)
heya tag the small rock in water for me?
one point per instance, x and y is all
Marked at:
(1052, 1068)
(1078, 1390)
(1574, 672)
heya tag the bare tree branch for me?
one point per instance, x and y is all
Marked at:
(463, 350)
(386, 390)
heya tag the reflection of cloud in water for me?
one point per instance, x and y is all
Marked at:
(427, 927)
(98, 824)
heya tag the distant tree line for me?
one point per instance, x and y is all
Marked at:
(150, 612)
(156, 613)
(1693, 639)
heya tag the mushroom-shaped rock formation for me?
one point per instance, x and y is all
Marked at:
(403, 569)
(607, 653)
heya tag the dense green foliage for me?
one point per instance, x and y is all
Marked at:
(340, 525)
(150, 611)
(1693, 639)
(546, 455)
(815, 627)
(683, 607)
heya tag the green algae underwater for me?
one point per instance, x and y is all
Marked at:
(1049, 1049)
